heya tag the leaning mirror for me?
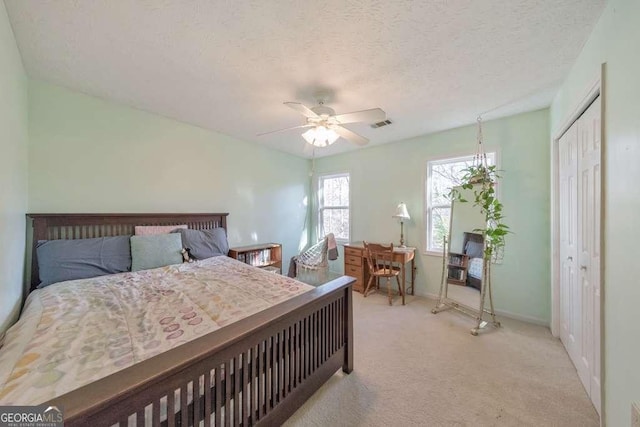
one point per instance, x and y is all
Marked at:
(466, 284)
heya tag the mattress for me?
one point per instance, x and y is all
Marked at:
(76, 332)
(475, 268)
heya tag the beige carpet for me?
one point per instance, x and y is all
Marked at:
(416, 368)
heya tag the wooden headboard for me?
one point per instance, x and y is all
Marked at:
(86, 226)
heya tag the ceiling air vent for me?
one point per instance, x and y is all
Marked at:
(380, 124)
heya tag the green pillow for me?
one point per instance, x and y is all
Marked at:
(155, 251)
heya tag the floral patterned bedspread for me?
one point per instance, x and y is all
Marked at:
(75, 332)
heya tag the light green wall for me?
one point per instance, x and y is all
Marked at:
(89, 155)
(382, 176)
(615, 40)
(13, 172)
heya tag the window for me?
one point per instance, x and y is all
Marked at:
(333, 206)
(442, 175)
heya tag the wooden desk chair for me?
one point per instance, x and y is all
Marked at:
(380, 263)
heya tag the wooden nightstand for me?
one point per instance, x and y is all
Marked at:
(263, 255)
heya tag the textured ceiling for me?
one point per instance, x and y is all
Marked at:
(228, 65)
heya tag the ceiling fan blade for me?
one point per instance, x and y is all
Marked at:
(373, 115)
(350, 136)
(286, 129)
(305, 111)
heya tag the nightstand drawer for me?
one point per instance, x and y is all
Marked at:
(351, 252)
(353, 260)
(353, 271)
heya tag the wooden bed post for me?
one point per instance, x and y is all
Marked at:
(39, 225)
(347, 366)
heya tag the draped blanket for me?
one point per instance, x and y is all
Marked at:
(73, 333)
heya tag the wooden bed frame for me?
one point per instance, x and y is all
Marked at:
(258, 370)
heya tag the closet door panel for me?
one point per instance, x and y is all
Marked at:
(569, 288)
(589, 162)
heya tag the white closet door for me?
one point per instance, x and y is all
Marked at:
(570, 313)
(580, 210)
(589, 199)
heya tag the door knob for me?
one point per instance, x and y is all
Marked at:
(569, 258)
(583, 267)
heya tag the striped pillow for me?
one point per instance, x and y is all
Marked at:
(148, 230)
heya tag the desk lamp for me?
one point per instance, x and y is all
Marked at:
(403, 215)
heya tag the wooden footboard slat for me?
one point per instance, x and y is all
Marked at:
(237, 394)
(319, 342)
(184, 405)
(273, 371)
(228, 369)
(281, 362)
(261, 378)
(324, 333)
(253, 389)
(334, 335)
(171, 402)
(287, 362)
(309, 344)
(314, 335)
(320, 334)
(218, 392)
(197, 415)
(155, 414)
(246, 395)
(275, 384)
(294, 355)
(339, 323)
(326, 344)
(269, 375)
(207, 398)
(332, 328)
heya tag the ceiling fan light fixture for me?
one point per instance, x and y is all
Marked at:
(320, 136)
(326, 127)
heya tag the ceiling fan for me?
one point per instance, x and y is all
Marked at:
(325, 127)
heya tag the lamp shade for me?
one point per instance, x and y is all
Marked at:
(401, 212)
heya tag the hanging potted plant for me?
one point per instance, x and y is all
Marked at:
(481, 180)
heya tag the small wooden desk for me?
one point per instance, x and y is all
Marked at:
(355, 265)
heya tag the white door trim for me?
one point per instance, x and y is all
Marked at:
(595, 89)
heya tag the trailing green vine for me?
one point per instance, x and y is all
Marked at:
(481, 180)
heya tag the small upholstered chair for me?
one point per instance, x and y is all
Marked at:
(380, 264)
(316, 257)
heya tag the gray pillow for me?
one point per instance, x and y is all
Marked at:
(205, 243)
(474, 249)
(61, 260)
(155, 251)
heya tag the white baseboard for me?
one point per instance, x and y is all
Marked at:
(504, 313)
